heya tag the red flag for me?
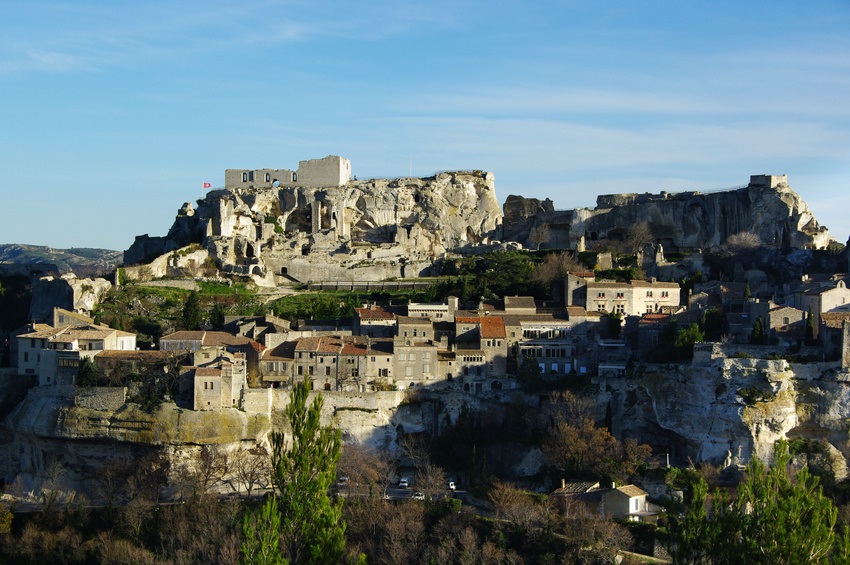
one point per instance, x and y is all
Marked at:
(207, 185)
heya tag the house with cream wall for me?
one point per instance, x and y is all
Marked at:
(634, 298)
(87, 341)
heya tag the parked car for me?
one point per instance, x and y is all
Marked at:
(404, 482)
(418, 496)
(342, 482)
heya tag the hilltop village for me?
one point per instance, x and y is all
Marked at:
(450, 341)
(318, 228)
(692, 321)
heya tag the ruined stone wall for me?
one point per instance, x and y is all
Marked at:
(680, 221)
(101, 398)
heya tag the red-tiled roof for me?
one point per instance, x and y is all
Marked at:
(834, 319)
(376, 313)
(492, 327)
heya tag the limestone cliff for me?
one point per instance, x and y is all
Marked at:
(361, 230)
(717, 409)
(767, 206)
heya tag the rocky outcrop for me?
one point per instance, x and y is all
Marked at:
(681, 221)
(362, 230)
(720, 410)
(68, 292)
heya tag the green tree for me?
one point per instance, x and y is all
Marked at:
(261, 536)
(711, 324)
(191, 314)
(758, 337)
(810, 329)
(615, 325)
(778, 517)
(217, 316)
(87, 373)
(311, 527)
(529, 375)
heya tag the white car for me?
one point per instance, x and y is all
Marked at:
(404, 482)
(418, 496)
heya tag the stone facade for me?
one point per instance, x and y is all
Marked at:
(631, 299)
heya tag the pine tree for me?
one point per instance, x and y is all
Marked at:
(261, 536)
(778, 517)
(311, 528)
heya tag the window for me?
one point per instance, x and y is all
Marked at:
(26, 357)
(426, 368)
(649, 294)
(408, 371)
(786, 320)
(268, 177)
(664, 294)
(600, 295)
(312, 371)
(620, 308)
(244, 177)
(402, 356)
(411, 357)
(327, 371)
(619, 295)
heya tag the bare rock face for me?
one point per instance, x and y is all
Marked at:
(767, 206)
(68, 292)
(727, 411)
(359, 230)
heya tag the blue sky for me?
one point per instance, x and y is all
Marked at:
(112, 114)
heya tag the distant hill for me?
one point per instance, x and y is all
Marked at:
(81, 261)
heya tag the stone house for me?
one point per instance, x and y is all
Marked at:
(415, 352)
(196, 340)
(216, 378)
(276, 364)
(577, 499)
(482, 347)
(634, 298)
(545, 337)
(434, 311)
(628, 503)
(576, 287)
(834, 337)
(54, 354)
(829, 297)
(374, 321)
